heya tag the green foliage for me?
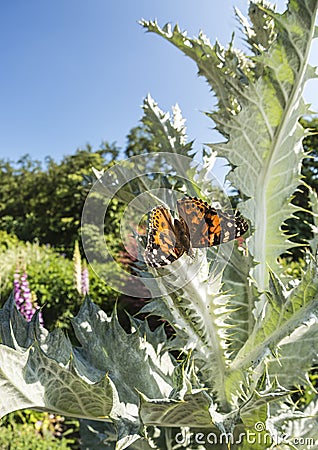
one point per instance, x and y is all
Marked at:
(293, 269)
(46, 203)
(139, 142)
(45, 426)
(245, 329)
(51, 278)
(7, 240)
(24, 435)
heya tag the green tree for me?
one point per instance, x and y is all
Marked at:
(46, 203)
(140, 141)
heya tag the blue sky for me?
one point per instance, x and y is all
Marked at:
(77, 71)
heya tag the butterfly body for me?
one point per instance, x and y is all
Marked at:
(199, 225)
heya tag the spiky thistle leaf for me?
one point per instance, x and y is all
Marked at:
(259, 105)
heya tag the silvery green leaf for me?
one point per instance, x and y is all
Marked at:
(290, 323)
(259, 106)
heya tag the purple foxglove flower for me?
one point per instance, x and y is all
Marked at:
(85, 281)
(23, 297)
(17, 289)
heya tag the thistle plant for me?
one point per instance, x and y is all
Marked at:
(245, 334)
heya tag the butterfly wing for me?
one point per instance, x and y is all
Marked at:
(209, 226)
(224, 227)
(193, 211)
(163, 245)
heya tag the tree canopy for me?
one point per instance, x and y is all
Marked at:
(45, 203)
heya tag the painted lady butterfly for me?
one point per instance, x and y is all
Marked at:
(199, 225)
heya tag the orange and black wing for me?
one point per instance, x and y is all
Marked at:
(194, 212)
(224, 227)
(163, 246)
(209, 226)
